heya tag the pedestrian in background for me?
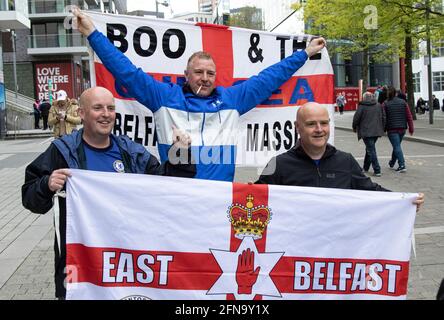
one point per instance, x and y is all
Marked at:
(36, 113)
(313, 162)
(369, 123)
(382, 95)
(63, 115)
(399, 118)
(402, 95)
(420, 106)
(341, 101)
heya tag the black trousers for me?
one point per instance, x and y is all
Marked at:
(36, 120)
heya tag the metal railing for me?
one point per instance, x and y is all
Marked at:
(56, 41)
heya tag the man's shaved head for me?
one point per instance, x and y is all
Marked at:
(89, 94)
(98, 113)
(309, 108)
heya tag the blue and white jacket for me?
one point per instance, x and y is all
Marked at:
(211, 121)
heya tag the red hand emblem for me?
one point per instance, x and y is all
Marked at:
(245, 276)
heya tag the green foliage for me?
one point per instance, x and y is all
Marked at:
(396, 19)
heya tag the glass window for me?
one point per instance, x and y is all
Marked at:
(438, 81)
(52, 34)
(416, 82)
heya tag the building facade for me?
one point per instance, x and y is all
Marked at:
(420, 73)
(13, 16)
(51, 55)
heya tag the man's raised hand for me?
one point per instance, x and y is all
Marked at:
(82, 22)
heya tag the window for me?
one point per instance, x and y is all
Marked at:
(438, 81)
(416, 82)
(50, 34)
(438, 49)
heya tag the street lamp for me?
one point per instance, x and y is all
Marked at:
(164, 3)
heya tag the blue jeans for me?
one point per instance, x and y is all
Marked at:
(370, 154)
(396, 139)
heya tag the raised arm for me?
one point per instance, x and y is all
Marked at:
(141, 86)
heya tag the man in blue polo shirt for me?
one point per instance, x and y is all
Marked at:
(92, 148)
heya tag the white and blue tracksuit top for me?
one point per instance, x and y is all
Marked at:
(211, 121)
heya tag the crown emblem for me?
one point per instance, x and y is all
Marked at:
(248, 220)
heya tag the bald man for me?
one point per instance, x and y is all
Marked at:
(92, 148)
(315, 163)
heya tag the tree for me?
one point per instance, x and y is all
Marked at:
(380, 29)
(247, 17)
(355, 22)
(407, 19)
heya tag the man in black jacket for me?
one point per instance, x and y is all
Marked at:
(92, 148)
(44, 110)
(315, 163)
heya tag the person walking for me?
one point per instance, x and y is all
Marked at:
(420, 106)
(369, 123)
(399, 118)
(36, 113)
(382, 95)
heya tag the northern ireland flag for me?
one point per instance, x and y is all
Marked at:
(148, 237)
(162, 47)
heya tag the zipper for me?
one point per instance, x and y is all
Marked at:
(201, 131)
(319, 175)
